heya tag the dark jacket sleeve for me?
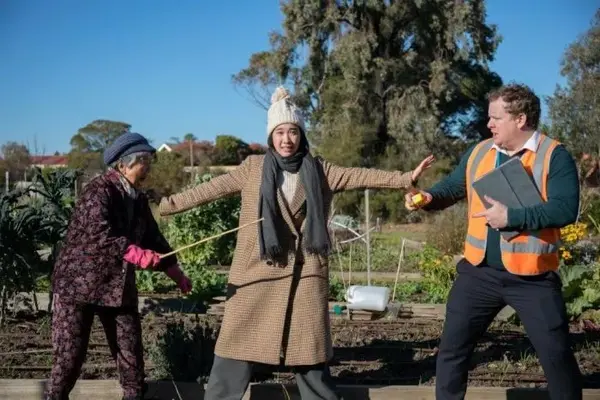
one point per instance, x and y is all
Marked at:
(562, 206)
(154, 240)
(452, 188)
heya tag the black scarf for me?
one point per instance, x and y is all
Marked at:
(316, 237)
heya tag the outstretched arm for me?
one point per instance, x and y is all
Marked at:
(341, 178)
(449, 190)
(216, 188)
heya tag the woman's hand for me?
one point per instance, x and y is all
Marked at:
(183, 282)
(424, 165)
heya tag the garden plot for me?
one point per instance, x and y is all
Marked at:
(400, 352)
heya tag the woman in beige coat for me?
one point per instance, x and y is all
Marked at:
(277, 297)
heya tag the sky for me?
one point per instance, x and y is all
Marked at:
(166, 67)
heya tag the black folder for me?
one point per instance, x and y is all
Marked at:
(511, 185)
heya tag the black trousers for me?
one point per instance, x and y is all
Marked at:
(476, 297)
(229, 380)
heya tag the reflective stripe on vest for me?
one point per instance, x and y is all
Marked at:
(539, 248)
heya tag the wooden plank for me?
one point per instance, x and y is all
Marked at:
(361, 276)
(32, 389)
(359, 392)
(404, 311)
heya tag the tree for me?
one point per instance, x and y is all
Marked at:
(3, 170)
(16, 160)
(167, 175)
(381, 81)
(574, 109)
(230, 150)
(90, 141)
(257, 148)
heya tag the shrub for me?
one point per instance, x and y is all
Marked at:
(19, 229)
(206, 282)
(581, 287)
(182, 349)
(202, 222)
(439, 272)
(447, 229)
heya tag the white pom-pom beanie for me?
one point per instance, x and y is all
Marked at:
(283, 111)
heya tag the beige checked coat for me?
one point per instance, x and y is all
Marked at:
(276, 312)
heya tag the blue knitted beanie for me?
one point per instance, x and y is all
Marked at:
(126, 144)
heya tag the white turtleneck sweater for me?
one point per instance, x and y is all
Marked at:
(287, 182)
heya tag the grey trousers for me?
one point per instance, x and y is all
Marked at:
(229, 380)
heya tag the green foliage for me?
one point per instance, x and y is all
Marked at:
(206, 282)
(19, 227)
(153, 282)
(90, 141)
(581, 288)
(574, 108)
(56, 191)
(371, 78)
(439, 271)
(204, 221)
(15, 159)
(167, 175)
(415, 292)
(384, 256)
(230, 150)
(336, 289)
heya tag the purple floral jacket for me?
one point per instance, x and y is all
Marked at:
(106, 220)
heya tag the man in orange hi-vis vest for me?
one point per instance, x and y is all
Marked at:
(521, 272)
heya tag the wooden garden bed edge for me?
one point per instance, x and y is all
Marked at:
(25, 389)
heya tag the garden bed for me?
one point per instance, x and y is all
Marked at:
(366, 352)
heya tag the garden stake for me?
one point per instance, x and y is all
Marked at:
(209, 238)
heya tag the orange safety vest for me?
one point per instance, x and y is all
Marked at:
(531, 252)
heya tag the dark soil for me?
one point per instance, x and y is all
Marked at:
(366, 352)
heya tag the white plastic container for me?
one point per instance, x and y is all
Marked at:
(368, 298)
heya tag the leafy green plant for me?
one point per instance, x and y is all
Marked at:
(336, 289)
(204, 221)
(152, 282)
(56, 190)
(384, 256)
(19, 227)
(438, 272)
(206, 282)
(413, 292)
(581, 287)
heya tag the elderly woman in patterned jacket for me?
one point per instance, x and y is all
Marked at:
(277, 302)
(111, 233)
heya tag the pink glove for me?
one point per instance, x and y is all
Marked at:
(141, 257)
(183, 282)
